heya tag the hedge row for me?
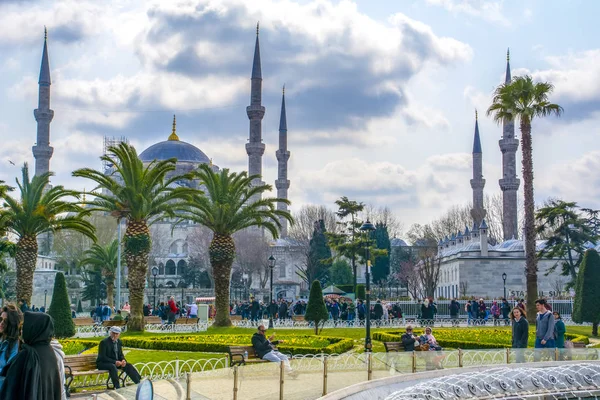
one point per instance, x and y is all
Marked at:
(335, 346)
(464, 338)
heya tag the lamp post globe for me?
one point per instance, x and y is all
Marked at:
(366, 229)
(271, 266)
(154, 273)
(504, 279)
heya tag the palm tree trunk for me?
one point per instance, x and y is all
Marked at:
(25, 258)
(137, 249)
(221, 252)
(530, 253)
(110, 288)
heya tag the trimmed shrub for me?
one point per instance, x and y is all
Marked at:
(586, 307)
(360, 292)
(471, 338)
(316, 311)
(60, 309)
(79, 308)
(346, 288)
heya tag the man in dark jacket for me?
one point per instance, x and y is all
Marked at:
(111, 358)
(254, 309)
(264, 348)
(409, 340)
(378, 310)
(283, 309)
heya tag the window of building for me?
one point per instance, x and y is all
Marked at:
(181, 267)
(282, 271)
(170, 268)
(173, 249)
(161, 269)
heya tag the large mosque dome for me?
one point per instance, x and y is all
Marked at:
(174, 148)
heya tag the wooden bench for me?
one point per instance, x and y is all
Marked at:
(393, 347)
(108, 324)
(297, 317)
(153, 320)
(84, 365)
(83, 321)
(236, 355)
(235, 317)
(187, 321)
(579, 345)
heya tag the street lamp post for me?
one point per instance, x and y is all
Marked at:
(118, 302)
(504, 279)
(154, 273)
(271, 266)
(45, 294)
(367, 228)
(245, 280)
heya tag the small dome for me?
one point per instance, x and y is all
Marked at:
(182, 151)
(395, 242)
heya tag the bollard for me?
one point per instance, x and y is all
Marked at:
(414, 362)
(281, 379)
(556, 354)
(460, 358)
(235, 382)
(369, 365)
(188, 384)
(325, 376)
(507, 355)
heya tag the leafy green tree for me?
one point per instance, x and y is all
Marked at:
(567, 235)
(38, 209)
(586, 307)
(348, 245)
(228, 207)
(522, 100)
(360, 292)
(94, 288)
(193, 272)
(79, 307)
(316, 311)
(140, 194)
(319, 256)
(381, 267)
(103, 259)
(340, 273)
(60, 309)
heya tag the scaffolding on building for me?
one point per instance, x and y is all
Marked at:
(108, 142)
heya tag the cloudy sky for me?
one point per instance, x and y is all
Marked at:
(380, 94)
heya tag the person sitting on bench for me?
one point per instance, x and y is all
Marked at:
(111, 358)
(264, 349)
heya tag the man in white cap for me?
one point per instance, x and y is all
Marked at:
(111, 358)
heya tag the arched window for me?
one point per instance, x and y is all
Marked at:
(170, 284)
(184, 248)
(173, 249)
(181, 267)
(170, 268)
(161, 269)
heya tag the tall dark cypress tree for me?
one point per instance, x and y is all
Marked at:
(319, 254)
(586, 307)
(381, 267)
(316, 311)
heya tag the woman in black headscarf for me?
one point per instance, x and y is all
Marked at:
(33, 373)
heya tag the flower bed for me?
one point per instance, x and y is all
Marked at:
(471, 338)
(221, 343)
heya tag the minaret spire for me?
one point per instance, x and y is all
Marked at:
(42, 152)
(477, 183)
(173, 135)
(255, 148)
(282, 183)
(509, 184)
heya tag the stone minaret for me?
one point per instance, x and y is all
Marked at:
(43, 115)
(255, 148)
(282, 183)
(477, 183)
(509, 184)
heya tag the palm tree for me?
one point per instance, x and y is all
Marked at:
(141, 195)
(104, 260)
(39, 209)
(523, 99)
(225, 209)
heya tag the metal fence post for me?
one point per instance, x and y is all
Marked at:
(556, 354)
(325, 376)
(460, 358)
(188, 384)
(177, 367)
(414, 361)
(507, 355)
(281, 379)
(369, 365)
(235, 382)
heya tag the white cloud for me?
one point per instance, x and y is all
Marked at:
(490, 10)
